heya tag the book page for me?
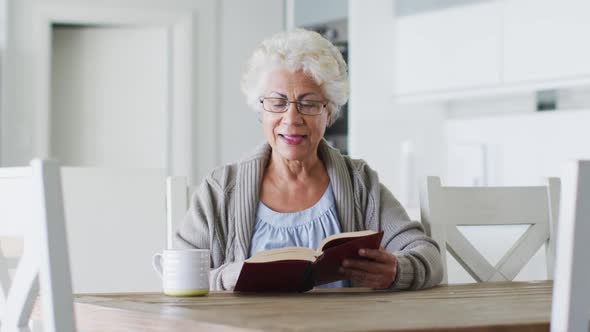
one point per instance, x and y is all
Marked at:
(281, 254)
(343, 236)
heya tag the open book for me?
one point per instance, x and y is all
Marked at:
(298, 269)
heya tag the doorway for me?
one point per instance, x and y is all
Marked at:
(109, 97)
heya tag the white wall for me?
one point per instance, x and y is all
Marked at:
(226, 127)
(2, 25)
(377, 125)
(522, 149)
(239, 130)
(312, 12)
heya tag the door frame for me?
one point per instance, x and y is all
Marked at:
(191, 120)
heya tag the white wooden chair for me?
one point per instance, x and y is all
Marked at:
(115, 221)
(177, 201)
(445, 208)
(31, 208)
(571, 287)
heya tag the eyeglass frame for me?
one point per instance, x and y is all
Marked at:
(297, 103)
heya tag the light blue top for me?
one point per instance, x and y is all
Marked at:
(306, 228)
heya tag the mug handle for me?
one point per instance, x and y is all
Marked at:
(157, 263)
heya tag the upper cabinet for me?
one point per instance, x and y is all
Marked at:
(450, 48)
(546, 40)
(489, 46)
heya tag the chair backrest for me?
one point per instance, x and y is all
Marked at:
(445, 208)
(177, 201)
(115, 221)
(571, 288)
(31, 208)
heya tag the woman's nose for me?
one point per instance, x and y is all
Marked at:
(292, 115)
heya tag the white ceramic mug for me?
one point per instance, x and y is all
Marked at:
(184, 272)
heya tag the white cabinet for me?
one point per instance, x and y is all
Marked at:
(491, 47)
(546, 39)
(453, 48)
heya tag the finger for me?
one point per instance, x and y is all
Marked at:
(355, 274)
(365, 265)
(362, 278)
(369, 283)
(383, 272)
(379, 255)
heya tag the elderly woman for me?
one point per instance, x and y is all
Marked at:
(294, 190)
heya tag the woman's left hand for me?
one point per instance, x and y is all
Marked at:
(377, 271)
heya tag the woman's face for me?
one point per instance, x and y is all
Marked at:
(294, 136)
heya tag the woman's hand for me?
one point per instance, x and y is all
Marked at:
(377, 271)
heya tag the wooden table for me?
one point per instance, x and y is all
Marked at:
(501, 306)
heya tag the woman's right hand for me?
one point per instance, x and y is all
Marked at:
(376, 271)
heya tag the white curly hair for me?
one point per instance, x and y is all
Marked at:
(298, 50)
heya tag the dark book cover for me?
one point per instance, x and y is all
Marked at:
(302, 275)
(278, 276)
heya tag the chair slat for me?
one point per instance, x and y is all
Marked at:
(468, 256)
(4, 281)
(57, 302)
(31, 208)
(23, 291)
(176, 205)
(523, 250)
(555, 200)
(448, 207)
(494, 206)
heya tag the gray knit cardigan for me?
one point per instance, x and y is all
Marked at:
(222, 215)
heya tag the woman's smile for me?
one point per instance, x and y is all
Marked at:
(292, 139)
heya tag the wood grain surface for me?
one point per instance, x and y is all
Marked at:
(498, 306)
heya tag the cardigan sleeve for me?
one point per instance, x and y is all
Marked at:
(419, 263)
(202, 228)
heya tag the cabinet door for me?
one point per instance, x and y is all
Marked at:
(546, 39)
(449, 49)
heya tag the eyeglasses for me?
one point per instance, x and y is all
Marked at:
(281, 105)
